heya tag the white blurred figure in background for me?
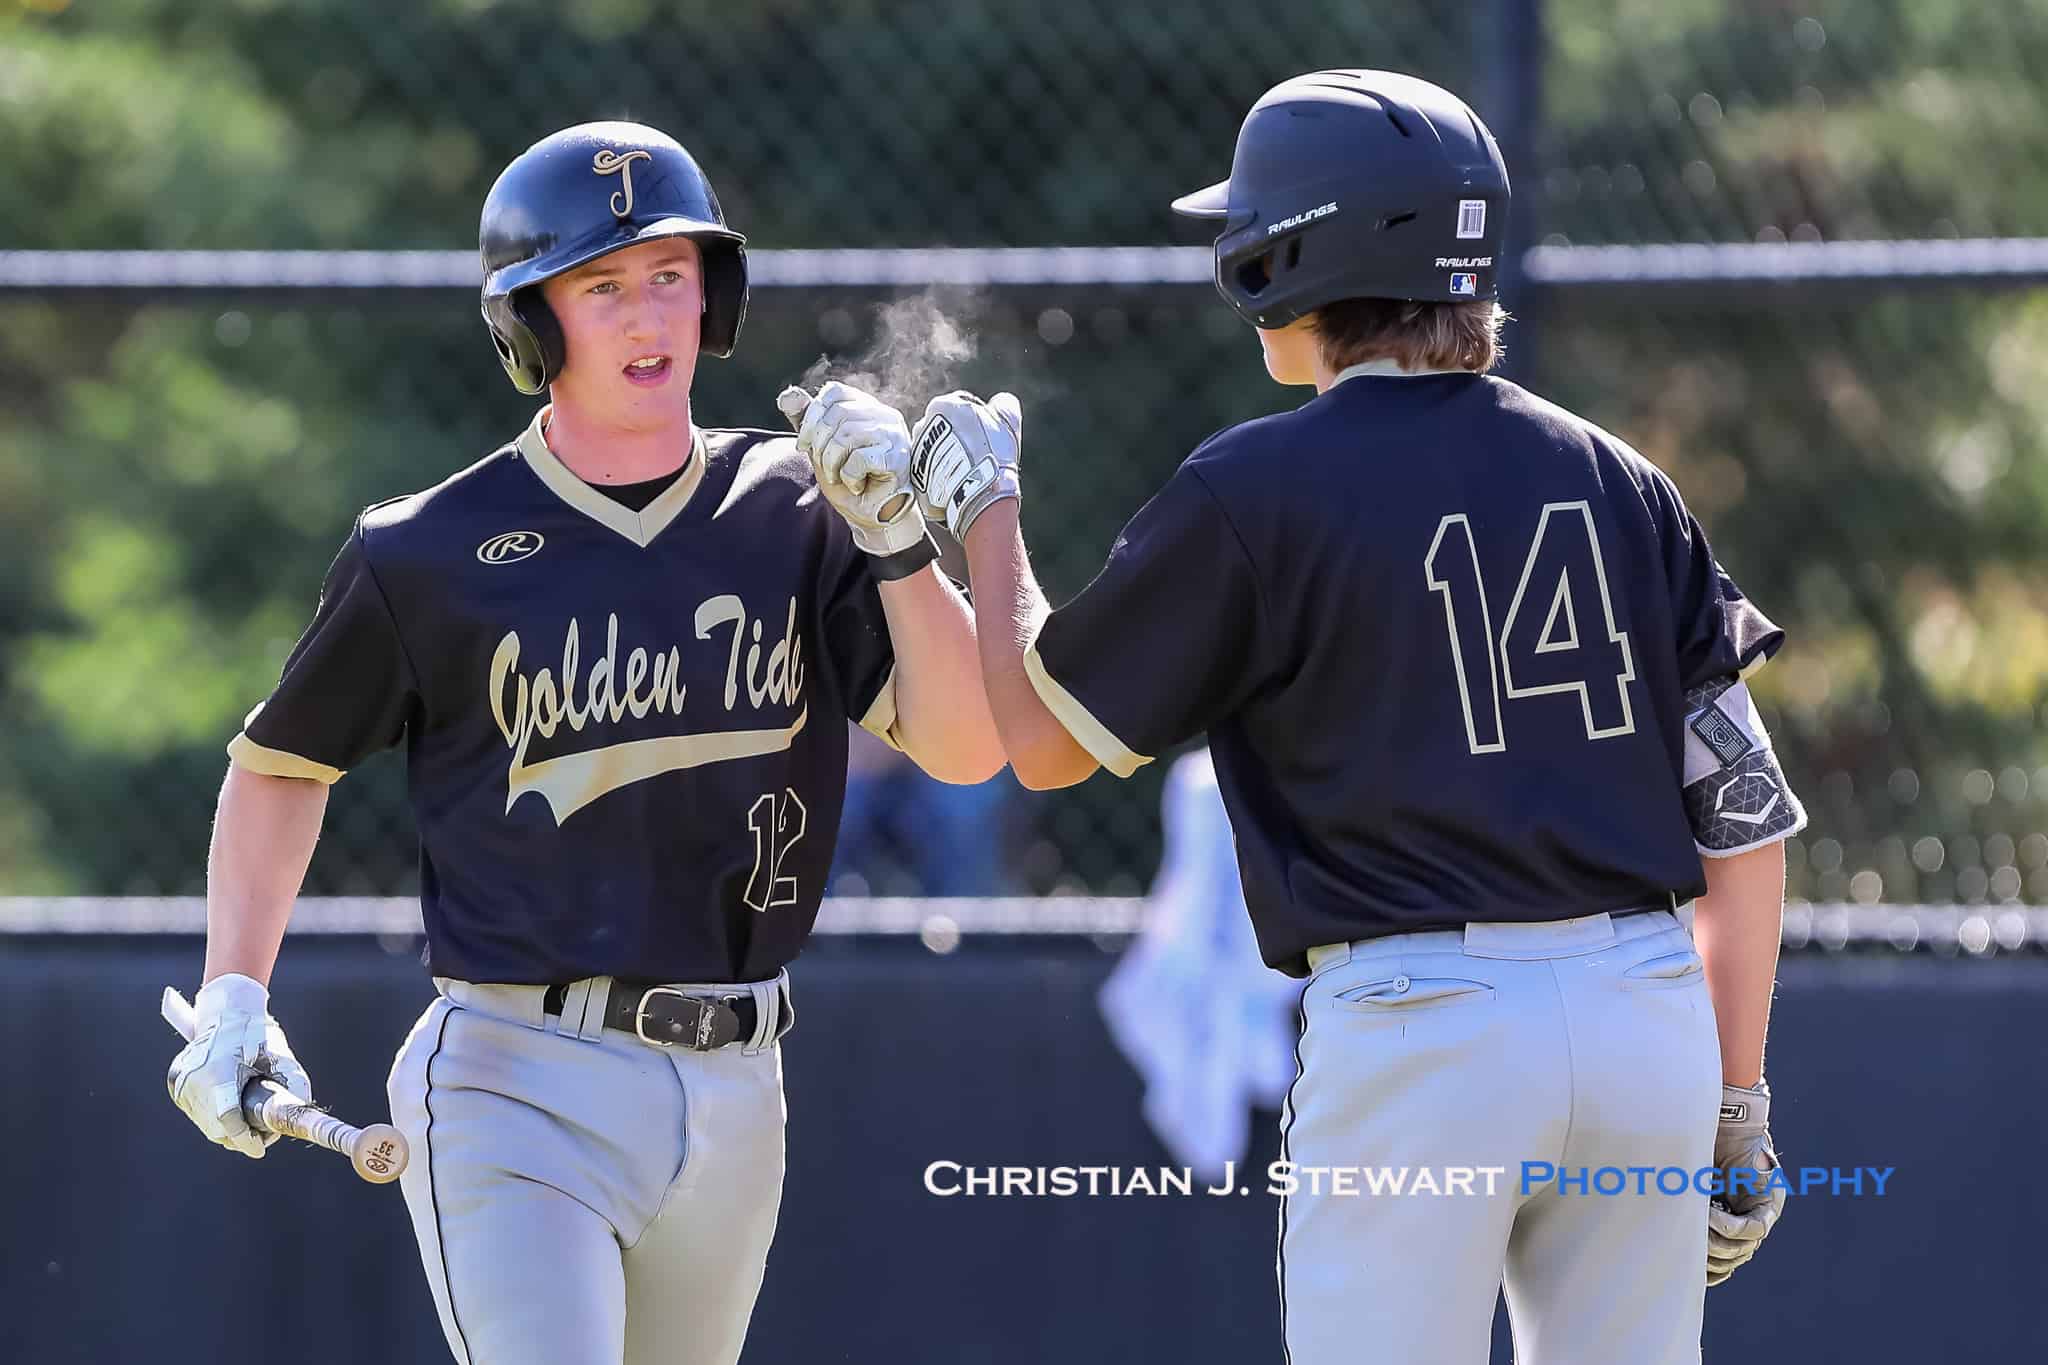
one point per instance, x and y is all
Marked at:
(1206, 1023)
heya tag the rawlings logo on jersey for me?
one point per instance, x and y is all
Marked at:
(649, 685)
(510, 548)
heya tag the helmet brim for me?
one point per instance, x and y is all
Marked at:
(686, 227)
(548, 265)
(1210, 202)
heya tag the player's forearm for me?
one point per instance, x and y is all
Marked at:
(1737, 926)
(263, 836)
(1008, 610)
(941, 713)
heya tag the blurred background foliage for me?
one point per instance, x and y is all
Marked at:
(175, 472)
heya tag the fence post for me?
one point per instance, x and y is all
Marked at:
(1511, 60)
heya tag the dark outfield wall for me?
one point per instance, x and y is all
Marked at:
(127, 1239)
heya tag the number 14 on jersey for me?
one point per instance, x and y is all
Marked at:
(1559, 635)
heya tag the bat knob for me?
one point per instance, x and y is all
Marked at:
(794, 401)
(379, 1154)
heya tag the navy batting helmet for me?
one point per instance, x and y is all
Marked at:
(1356, 184)
(583, 193)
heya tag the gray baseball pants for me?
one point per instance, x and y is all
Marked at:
(1585, 1043)
(581, 1197)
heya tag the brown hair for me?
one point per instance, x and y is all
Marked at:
(1417, 336)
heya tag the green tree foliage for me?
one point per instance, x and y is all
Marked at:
(1871, 462)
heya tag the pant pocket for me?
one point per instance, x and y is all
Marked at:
(1666, 971)
(1404, 994)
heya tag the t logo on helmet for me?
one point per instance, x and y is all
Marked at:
(607, 161)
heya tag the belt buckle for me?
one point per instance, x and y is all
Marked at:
(707, 1034)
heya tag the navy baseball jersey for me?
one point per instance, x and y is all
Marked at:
(1441, 635)
(625, 730)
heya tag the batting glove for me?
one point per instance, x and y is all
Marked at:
(963, 456)
(235, 1039)
(859, 449)
(1739, 1220)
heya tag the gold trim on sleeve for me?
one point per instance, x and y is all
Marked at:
(639, 527)
(1090, 733)
(247, 753)
(880, 721)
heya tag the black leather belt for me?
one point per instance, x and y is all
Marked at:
(668, 1016)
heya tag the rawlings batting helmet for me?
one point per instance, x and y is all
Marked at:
(583, 193)
(1356, 184)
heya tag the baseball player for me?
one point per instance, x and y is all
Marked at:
(1473, 684)
(622, 652)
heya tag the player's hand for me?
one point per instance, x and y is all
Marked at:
(963, 456)
(859, 449)
(1738, 1222)
(235, 1039)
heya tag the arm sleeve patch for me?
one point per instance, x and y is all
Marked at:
(1719, 732)
(1736, 796)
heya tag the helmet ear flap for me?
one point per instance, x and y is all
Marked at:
(519, 350)
(550, 351)
(519, 346)
(725, 296)
(1249, 275)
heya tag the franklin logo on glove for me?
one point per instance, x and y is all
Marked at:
(964, 456)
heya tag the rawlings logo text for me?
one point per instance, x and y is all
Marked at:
(1305, 216)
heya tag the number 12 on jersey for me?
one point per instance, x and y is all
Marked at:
(1541, 647)
(777, 823)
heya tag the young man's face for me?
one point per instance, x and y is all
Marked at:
(1290, 351)
(630, 326)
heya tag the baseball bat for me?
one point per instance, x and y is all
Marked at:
(889, 510)
(377, 1152)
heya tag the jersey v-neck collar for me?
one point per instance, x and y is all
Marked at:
(639, 527)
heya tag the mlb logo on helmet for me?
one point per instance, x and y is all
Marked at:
(1465, 283)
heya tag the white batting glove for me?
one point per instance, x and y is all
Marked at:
(963, 456)
(235, 1039)
(1738, 1222)
(859, 449)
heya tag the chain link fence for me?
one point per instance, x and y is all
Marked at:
(176, 468)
